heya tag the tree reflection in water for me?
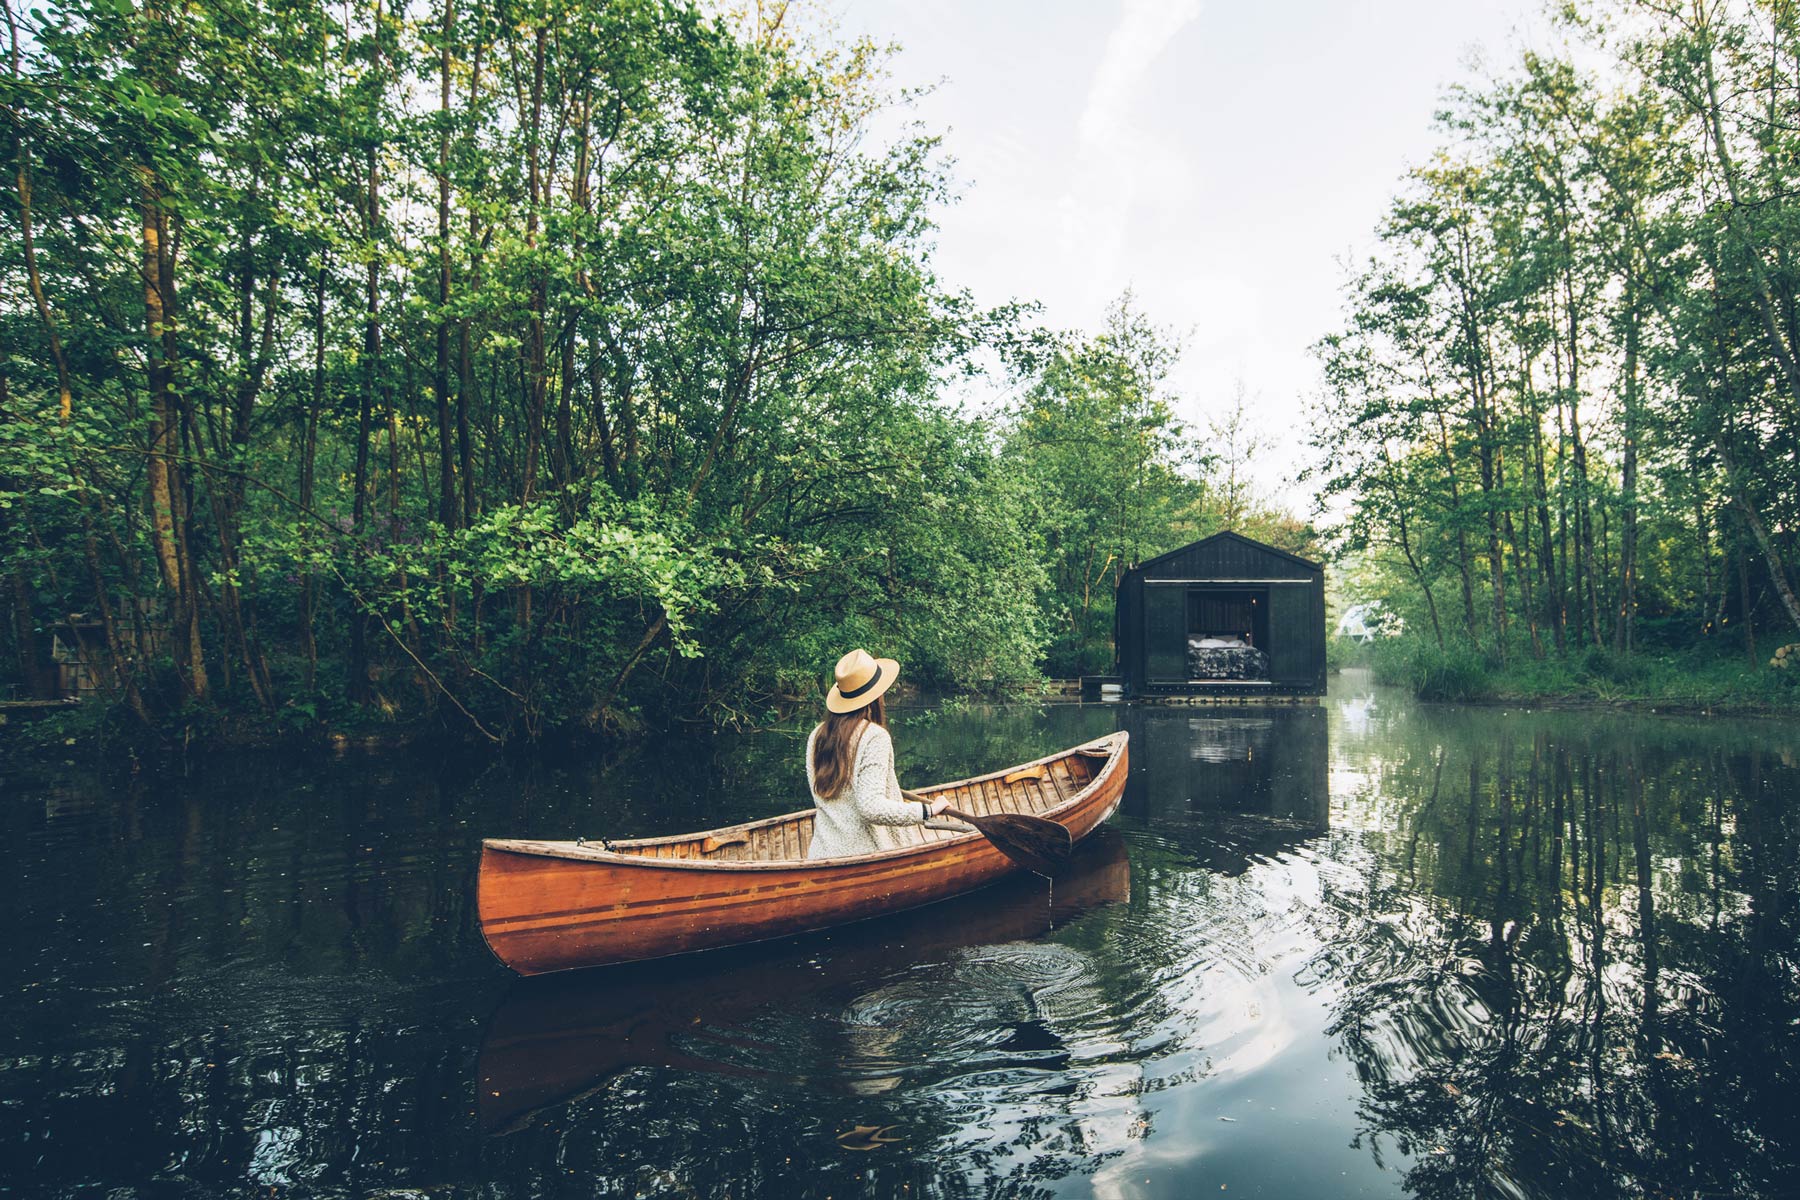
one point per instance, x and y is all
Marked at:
(1572, 970)
(1365, 948)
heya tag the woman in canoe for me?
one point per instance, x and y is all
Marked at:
(850, 765)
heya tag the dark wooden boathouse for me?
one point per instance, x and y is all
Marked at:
(1223, 616)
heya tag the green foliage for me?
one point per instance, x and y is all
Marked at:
(1561, 412)
(1342, 652)
(1602, 666)
(1456, 671)
(576, 368)
(1096, 432)
(1697, 679)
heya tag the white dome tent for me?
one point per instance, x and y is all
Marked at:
(1366, 622)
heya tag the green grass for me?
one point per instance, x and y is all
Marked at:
(1700, 678)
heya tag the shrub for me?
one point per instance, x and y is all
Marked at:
(1341, 653)
(1601, 665)
(1454, 671)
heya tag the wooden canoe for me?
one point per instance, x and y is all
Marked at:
(556, 1038)
(555, 906)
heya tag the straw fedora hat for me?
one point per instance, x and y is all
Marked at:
(861, 678)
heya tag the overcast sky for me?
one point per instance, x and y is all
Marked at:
(1222, 159)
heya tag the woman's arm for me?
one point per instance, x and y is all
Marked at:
(869, 791)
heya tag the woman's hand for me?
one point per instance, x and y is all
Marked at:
(932, 807)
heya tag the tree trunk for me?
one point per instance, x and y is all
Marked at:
(358, 665)
(1522, 572)
(465, 391)
(1546, 540)
(1703, 540)
(1481, 413)
(609, 456)
(65, 397)
(447, 507)
(309, 449)
(1569, 558)
(162, 468)
(1625, 626)
(1585, 590)
(1753, 520)
(563, 460)
(1437, 630)
(1746, 609)
(1749, 244)
(1462, 540)
(536, 365)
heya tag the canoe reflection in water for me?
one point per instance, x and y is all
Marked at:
(556, 1038)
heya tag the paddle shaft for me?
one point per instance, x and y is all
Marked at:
(1034, 843)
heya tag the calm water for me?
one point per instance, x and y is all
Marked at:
(1364, 949)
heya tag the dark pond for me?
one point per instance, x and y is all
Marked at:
(1363, 949)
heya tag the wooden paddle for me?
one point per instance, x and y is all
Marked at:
(1034, 843)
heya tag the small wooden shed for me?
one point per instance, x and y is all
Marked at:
(1225, 615)
(78, 648)
(84, 661)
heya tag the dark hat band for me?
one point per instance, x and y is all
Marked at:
(873, 680)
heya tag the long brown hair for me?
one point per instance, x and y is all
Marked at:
(834, 748)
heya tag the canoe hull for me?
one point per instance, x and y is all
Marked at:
(545, 909)
(560, 1036)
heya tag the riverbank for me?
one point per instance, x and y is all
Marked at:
(1663, 685)
(93, 729)
(1686, 682)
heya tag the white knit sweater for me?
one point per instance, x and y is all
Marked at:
(861, 818)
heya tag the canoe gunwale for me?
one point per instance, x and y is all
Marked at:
(1113, 743)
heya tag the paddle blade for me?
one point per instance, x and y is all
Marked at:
(1033, 842)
